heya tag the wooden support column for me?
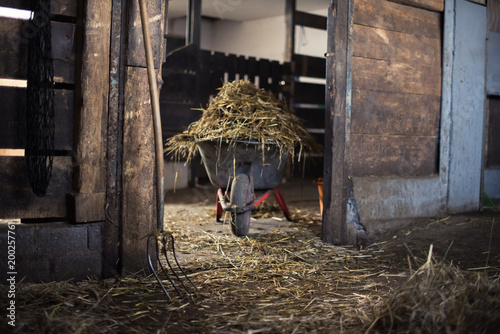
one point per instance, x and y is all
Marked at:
(290, 29)
(111, 228)
(337, 122)
(193, 36)
(138, 178)
(91, 107)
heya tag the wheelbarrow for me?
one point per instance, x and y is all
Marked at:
(239, 169)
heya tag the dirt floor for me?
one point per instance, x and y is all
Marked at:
(281, 278)
(471, 241)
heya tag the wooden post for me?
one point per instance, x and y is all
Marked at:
(337, 120)
(111, 228)
(91, 107)
(193, 36)
(138, 178)
(290, 29)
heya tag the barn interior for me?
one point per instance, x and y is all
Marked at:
(401, 94)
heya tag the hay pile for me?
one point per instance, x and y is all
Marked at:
(441, 298)
(241, 111)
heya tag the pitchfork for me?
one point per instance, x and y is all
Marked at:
(164, 241)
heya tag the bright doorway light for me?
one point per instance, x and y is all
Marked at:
(13, 13)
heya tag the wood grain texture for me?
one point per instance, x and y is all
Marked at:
(397, 47)
(397, 17)
(376, 112)
(336, 171)
(432, 5)
(14, 35)
(387, 76)
(138, 214)
(396, 96)
(135, 53)
(91, 119)
(392, 155)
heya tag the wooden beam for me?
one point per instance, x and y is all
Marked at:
(432, 5)
(310, 20)
(91, 106)
(290, 29)
(111, 227)
(337, 119)
(194, 23)
(138, 216)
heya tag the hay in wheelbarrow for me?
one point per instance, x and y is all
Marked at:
(243, 112)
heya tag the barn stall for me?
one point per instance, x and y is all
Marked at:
(392, 159)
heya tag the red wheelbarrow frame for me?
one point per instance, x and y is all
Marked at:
(223, 205)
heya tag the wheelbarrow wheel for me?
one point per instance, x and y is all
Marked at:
(240, 196)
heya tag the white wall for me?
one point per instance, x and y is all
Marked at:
(262, 38)
(467, 109)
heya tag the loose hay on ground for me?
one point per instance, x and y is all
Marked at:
(441, 298)
(273, 282)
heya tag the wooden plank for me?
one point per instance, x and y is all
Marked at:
(251, 68)
(114, 142)
(376, 112)
(336, 169)
(91, 118)
(13, 122)
(494, 16)
(16, 196)
(63, 52)
(60, 7)
(383, 75)
(309, 66)
(138, 192)
(216, 72)
(136, 55)
(392, 155)
(309, 93)
(290, 6)
(310, 20)
(231, 67)
(13, 49)
(275, 77)
(264, 73)
(493, 146)
(397, 17)
(14, 36)
(432, 5)
(242, 66)
(382, 44)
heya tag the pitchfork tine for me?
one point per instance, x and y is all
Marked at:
(161, 265)
(180, 268)
(153, 269)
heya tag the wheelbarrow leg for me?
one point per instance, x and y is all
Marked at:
(219, 210)
(281, 203)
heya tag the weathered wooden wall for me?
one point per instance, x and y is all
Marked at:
(16, 197)
(396, 88)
